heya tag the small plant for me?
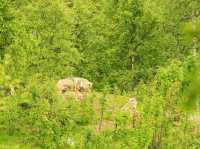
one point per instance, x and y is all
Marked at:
(122, 119)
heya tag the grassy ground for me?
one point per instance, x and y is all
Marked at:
(112, 116)
(113, 106)
(113, 103)
(13, 142)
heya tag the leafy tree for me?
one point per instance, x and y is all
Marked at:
(6, 20)
(43, 43)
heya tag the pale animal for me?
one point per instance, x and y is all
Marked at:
(74, 84)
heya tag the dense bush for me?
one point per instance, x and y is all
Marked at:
(141, 48)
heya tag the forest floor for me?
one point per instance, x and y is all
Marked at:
(113, 103)
(112, 108)
(13, 142)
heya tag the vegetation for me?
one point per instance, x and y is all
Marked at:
(147, 49)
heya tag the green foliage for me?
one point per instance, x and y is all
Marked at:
(43, 41)
(191, 83)
(121, 119)
(6, 22)
(170, 74)
(136, 48)
(82, 113)
(128, 42)
(192, 29)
